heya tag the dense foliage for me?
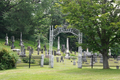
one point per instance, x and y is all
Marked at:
(7, 60)
(99, 20)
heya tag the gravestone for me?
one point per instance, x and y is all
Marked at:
(28, 48)
(95, 57)
(63, 48)
(45, 47)
(38, 47)
(9, 43)
(31, 50)
(118, 58)
(22, 54)
(67, 51)
(46, 51)
(42, 60)
(74, 63)
(12, 40)
(54, 53)
(75, 52)
(6, 40)
(41, 51)
(61, 59)
(58, 48)
(57, 59)
(84, 57)
(101, 60)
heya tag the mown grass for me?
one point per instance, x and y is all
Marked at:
(61, 71)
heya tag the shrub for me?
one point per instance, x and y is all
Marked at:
(26, 60)
(7, 60)
(46, 61)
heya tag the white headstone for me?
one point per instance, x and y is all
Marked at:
(42, 60)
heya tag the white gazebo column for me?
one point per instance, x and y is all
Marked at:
(67, 51)
(80, 51)
(51, 57)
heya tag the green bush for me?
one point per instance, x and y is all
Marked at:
(26, 60)
(46, 61)
(7, 60)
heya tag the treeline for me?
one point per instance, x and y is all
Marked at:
(32, 18)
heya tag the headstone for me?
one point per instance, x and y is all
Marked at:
(41, 51)
(6, 40)
(84, 57)
(22, 54)
(12, 40)
(74, 63)
(101, 60)
(28, 48)
(58, 50)
(75, 52)
(38, 47)
(61, 59)
(95, 58)
(63, 48)
(54, 53)
(45, 47)
(46, 51)
(118, 58)
(42, 60)
(67, 51)
(57, 59)
(9, 43)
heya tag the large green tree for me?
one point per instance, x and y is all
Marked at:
(99, 20)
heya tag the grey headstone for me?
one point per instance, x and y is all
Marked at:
(57, 59)
(42, 60)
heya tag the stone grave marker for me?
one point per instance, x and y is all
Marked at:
(6, 40)
(54, 53)
(28, 48)
(42, 60)
(38, 47)
(101, 60)
(45, 47)
(12, 40)
(41, 51)
(57, 59)
(61, 60)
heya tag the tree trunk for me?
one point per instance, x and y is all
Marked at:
(105, 61)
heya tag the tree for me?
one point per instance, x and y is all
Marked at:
(99, 20)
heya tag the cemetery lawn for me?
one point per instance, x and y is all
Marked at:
(60, 71)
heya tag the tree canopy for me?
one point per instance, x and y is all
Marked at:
(99, 20)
